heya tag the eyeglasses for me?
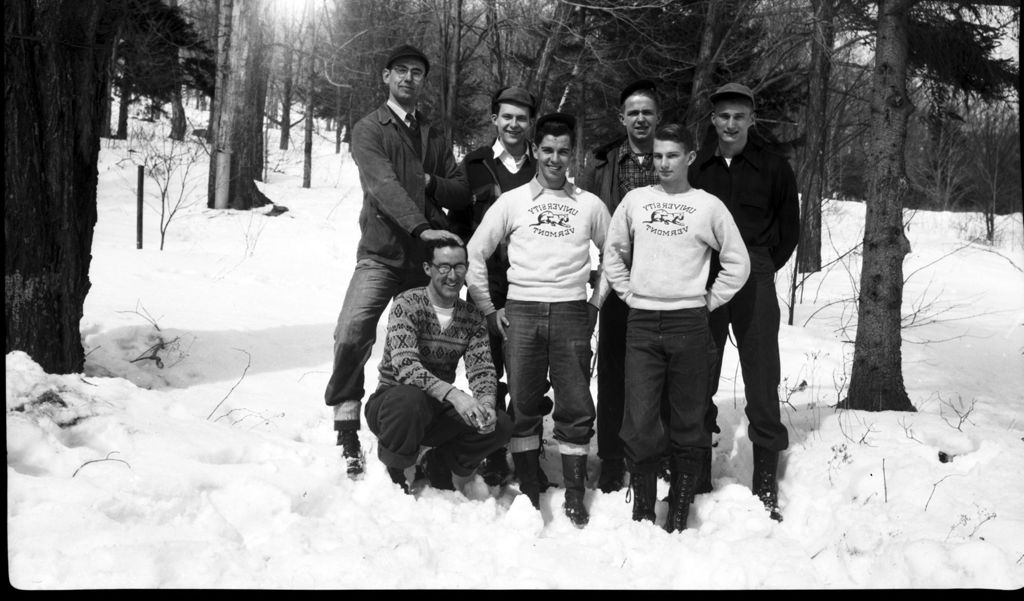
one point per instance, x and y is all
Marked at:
(445, 268)
(401, 71)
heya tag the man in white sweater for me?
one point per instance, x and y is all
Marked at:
(657, 257)
(547, 321)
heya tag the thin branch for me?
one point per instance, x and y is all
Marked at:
(247, 364)
(107, 458)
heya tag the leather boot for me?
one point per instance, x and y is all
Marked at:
(643, 485)
(527, 465)
(348, 440)
(686, 469)
(574, 472)
(765, 483)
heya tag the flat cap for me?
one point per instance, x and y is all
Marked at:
(640, 84)
(407, 51)
(565, 118)
(732, 90)
(516, 95)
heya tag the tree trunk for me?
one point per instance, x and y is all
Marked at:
(496, 52)
(705, 65)
(812, 176)
(55, 70)
(286, 99)
(122, 111)
(538, 80)
(178, 124)
(876, 380)
(236, 160)
(307, 146)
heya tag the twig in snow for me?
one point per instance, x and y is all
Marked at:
(107, 458)
(247, 364)
(934, 486)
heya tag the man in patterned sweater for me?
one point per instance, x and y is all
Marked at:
(416, 402)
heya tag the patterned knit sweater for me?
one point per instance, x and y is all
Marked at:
(419, 353)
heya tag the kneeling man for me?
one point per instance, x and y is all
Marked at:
(416, 403)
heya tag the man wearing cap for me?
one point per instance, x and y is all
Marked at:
(491, 170)
(547, 321)
(407, 174)
(610, 171)
(759, 189)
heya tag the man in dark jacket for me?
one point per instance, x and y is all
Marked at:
(491, 170)
(407, 174)
(759, 188)
(609, 172)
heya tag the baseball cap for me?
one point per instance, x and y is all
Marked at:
(732, 90)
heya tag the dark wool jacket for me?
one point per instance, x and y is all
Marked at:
(478, 168)
(600, 173)
(396, 204)
(759, 188)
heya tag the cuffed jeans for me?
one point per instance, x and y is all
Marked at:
(668, 354)
(371, 288)
(754, 315)
(404, 417)
(555, 338)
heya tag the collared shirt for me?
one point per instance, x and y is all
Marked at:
(502, 155)
(402, 114)
(635, 170)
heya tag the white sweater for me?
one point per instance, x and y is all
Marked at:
(549, 233)
(658, 250)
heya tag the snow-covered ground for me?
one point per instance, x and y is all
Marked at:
(217, 466)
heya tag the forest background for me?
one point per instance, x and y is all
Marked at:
(899, 103)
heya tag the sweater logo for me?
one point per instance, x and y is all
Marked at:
(667, 219)
(553, 220)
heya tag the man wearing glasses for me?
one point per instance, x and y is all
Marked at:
(416, 403)
(407, 174)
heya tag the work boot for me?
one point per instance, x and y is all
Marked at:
(643, 484)
(398, 477)
(439, 475)
(495, 470)
(613, 475)
(527, 465)
(574, 472)
(686, 468)
(348, 440)
(765, 483)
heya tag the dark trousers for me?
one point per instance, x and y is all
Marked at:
(754, 315)
(404, 417)
(611, 377)
(371, 288)
(668, 355)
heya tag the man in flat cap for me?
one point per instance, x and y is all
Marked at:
(407, 174)
(547, 321)
(610, 171)
(491, 170)
(759, 189)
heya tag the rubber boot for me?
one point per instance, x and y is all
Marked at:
(574, 472)
(686, 468)
(643, 485)
(527, 465)
(765, 482)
